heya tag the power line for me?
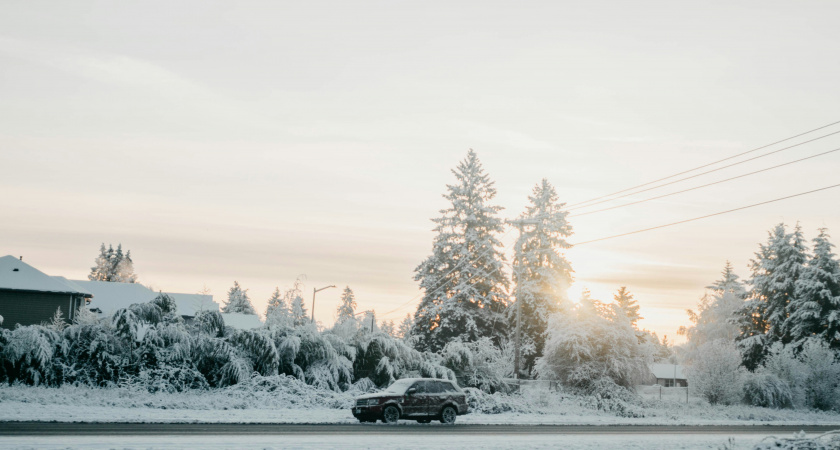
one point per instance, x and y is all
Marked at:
(704, 185)
(702, 173)
(706, 216)
(703, 166)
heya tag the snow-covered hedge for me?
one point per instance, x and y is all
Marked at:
(149, 345)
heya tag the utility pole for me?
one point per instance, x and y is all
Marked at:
(519, 223)
(315, 291)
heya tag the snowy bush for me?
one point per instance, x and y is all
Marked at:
(822, 382)
(605, 395)
(478, 364)
(28, 353)
(767, 390)
(589, 342)
(716, 373)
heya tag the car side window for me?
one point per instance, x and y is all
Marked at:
(434, 387)
(420, 386)
(446, 387)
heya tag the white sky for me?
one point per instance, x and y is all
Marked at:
(255, 141)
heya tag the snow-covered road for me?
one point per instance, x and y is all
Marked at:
(404, 441)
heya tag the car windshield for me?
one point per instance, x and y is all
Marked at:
(399, 387)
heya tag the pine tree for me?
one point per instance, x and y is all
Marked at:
(465, 288)
(124, 268)
(299, 315)
(113, 266)
(541, 274)
(626, 305)
(238, 301)
(729, 282)
(387, 327)
(775, 271)
(815, 311)
(404, 330)
(347, 307)
(99, 272)
(277, 313)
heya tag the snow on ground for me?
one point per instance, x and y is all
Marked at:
(239, 405)
(403, 441)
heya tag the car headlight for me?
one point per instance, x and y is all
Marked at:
(373, 401)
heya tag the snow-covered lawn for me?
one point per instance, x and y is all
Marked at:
(236, 405)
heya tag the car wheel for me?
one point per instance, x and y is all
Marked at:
(391, 414)
(424, 420)
(447, 416)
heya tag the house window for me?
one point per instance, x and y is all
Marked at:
(669, 382)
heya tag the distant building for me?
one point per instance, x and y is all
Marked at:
(108, 297)
(29, 296)
(242, 321)
(669, 375)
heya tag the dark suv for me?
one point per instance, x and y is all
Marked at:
(422, 399)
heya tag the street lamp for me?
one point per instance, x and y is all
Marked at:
(315, 291)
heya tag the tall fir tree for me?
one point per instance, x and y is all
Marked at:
(238, 301)
(300, 316)
(775, 270)
(277, 312)
(347, 308)
(815, 311)
(465, 288)
(541, 274)
(99, 272)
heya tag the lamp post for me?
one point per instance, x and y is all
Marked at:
(315, 291)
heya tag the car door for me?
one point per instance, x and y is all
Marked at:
(415, 404)
(436, 398)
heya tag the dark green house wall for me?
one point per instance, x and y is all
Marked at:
(29, 308)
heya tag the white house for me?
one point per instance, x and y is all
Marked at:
(669, 375)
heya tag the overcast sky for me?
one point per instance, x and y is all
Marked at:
(256, 141)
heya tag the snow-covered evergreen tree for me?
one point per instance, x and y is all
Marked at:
(775, 270)
(99, 272)
(347, 307)
(113, 266)
(404, 330)
(277, 313)
(625, 304)
(541, 273)
(387, 327)
(123, 271)
(729, 282)
(238, 301)
(465, 288)
(299, 315)
(815, 309)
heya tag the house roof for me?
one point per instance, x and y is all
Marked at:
(110, 296)
(242, 321)
(16, 275)
(667, 371)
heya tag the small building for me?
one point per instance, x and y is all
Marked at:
(29, 296)
(242, 321)
(669, 375)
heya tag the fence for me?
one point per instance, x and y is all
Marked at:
(659, 392)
